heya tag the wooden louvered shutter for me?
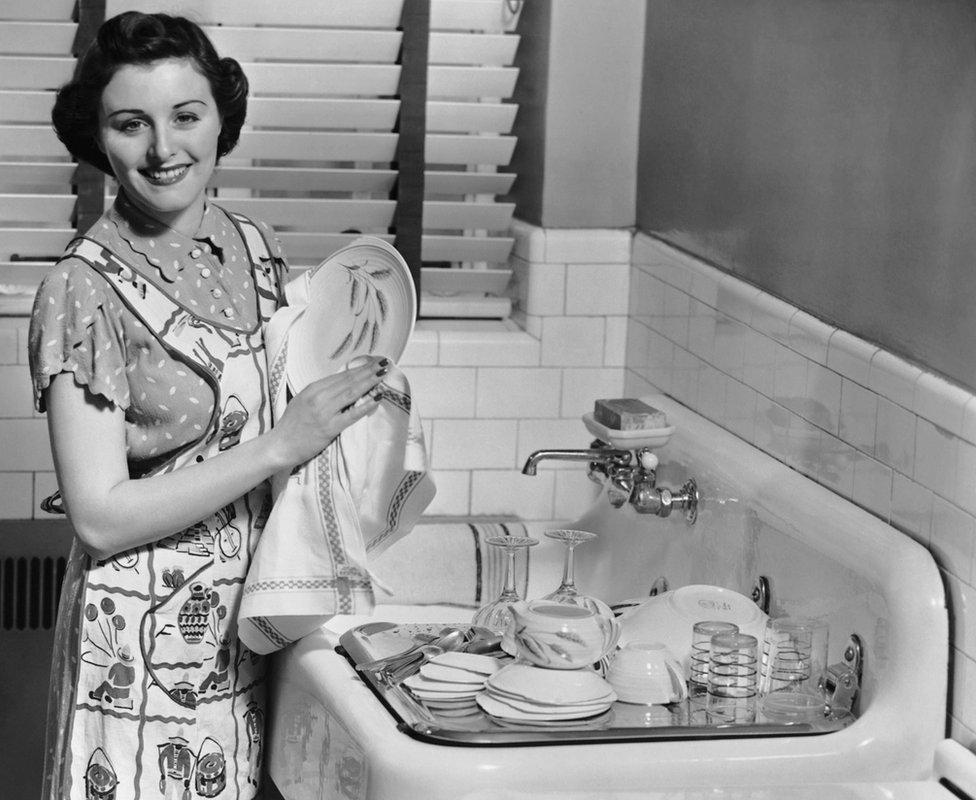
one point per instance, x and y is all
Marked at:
(470, 77)
(36, 199)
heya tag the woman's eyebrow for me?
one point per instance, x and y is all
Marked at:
(140, 111)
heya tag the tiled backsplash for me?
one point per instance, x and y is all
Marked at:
(893, 438)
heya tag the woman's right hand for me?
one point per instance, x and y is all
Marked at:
(325, 408)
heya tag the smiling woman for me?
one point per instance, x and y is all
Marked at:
(147, 350)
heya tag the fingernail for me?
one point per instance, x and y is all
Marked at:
(382, 371)
(384, 362)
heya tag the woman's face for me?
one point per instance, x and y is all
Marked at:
(158, 127)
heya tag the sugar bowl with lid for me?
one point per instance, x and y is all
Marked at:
(561, 635)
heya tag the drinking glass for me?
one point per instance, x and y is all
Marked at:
(567, 591)
(732, 678)
(496, 615)
(794, 662)
(701, 645)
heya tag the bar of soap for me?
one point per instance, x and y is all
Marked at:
(628, 414)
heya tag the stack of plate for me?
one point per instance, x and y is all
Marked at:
(451, 680)
(525, 693)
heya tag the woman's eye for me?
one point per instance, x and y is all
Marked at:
(186, 118)
(131, 125)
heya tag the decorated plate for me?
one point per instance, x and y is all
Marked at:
(551, 686)
(361, 301)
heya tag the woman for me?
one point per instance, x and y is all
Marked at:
(147, 353)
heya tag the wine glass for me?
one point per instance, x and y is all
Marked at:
(567, 591)
(495, 616)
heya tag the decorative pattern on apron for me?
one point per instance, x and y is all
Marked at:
(160, 696)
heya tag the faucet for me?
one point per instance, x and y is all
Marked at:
(627, 480)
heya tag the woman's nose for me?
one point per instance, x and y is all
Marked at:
(161, 146)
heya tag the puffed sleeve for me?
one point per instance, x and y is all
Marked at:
(76, 327)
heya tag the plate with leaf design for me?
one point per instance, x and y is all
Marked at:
(361, 301)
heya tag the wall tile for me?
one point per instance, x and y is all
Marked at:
(453, 496)
(858, 416)
(712, 385)
(850, 356)
(771, 316)
(809, 336)
(16, 395)
(45, 484)
(823, 388)
(581, 387)
(705, 282)
(530, 241)
(508, 492)
(685, 375)
(675, 315)
(911, 508)
(16, 495)
(443, 391)
(572, 342)
(895, 436)
(964, 493)
(473, 444)
(836, 468)
(962, 612)
(893, 378)
(702, 322)
(759, 362)
(597, 289)
(422, 349)
(518, 392)
(872, 485)
(26, 446)
(940, 402)
(789, 378)
(615, 342)
(8, 345)
(490, 347)
(935, 458)
(969, 421)
(736, 298)
(740, 409)
(588, 246)
(544, 288)
(731, 340)
(951, 541)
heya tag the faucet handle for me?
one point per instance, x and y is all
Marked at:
(647, 459)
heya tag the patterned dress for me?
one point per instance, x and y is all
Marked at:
(153, 695)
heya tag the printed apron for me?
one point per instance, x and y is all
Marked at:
(159, 698)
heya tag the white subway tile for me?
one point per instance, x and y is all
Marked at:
(510, 492)
(675, 316)
(8, 346)
(588, 246)
(45, 484)
(685, 376)
(790, 378)
(836, 470)
(740, 410)
(16, 395)
(582, 386)
(736, 298)
(969, 421)
(705, 282)
(552, 434)
(530, 241)
(872, 485)
(771, 316)
(532, 325)
(597, 289)
(858, 416)
(895, 436)
(935, 458)
(488, 348)
(911, 508)
(453, 496)
(573, 341)
(702, 322)
(615, 342)
(964, 493)
(941, 402)
(951, 542)
(443, 392)
(731, 340)
(810, 336)
(823, 392)
(636, 386)
(759, 362)
(518, 392)
(16, 495)
(545, 289)
(26, 446)
(646, 298)
(893, 378)
(712, 385)
(473, 444)
(422, 348)
(850, 356)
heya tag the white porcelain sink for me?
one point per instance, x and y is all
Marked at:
(330, 736)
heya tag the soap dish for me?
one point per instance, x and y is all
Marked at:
(628, 440)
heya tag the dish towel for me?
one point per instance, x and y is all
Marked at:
(365, 491)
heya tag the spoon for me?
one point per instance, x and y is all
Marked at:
(449, 639)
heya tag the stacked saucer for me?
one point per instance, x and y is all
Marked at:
(451, 680)
(525, 693)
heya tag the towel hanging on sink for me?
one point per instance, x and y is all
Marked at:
(365, 491)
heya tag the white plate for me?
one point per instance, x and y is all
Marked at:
(451, 675)
(628, 440)
(361, 301)
(420, 685)
(531, 707)
(550, 686)
(472, 662)
(496, 708)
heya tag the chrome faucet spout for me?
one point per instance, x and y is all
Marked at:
(604, 455)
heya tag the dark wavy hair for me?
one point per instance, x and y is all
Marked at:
(136, 38)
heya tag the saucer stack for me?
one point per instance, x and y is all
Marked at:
(452, 680)
(528, 694)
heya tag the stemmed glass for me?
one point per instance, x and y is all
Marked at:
(495, 616)
(567, 591)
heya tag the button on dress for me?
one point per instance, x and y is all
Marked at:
(153, 695)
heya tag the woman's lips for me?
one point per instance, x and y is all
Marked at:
(164, 177)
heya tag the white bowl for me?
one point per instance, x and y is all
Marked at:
(668, 618)
(647, 673)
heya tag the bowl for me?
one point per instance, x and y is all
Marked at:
(561, 636)
(647, 673)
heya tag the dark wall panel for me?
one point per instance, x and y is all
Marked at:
(824, 150)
